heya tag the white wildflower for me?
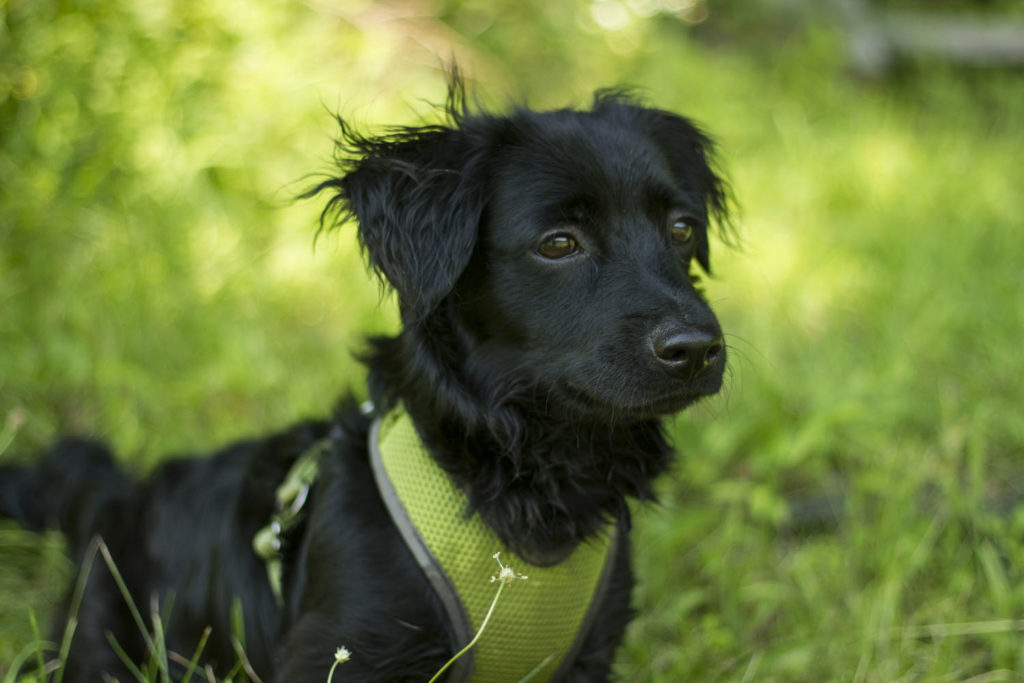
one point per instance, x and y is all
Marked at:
(505, 574)
(341, 655)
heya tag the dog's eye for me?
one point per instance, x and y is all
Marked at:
(558, 247)
(682, 231)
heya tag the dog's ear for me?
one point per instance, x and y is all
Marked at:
(690, 155)
(419, 201)
(418, 195)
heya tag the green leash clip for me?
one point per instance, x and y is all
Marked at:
(291, 496)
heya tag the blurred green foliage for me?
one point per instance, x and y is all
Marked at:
(848, 509)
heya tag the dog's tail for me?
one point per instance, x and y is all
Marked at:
(67, 489)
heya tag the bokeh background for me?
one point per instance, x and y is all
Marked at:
(850, 508)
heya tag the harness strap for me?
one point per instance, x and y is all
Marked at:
(462, 627)
(290, 500)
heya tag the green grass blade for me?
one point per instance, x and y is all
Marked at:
(536, 670)
(195, 657)
(243, 661)
(123, 588)
(40, 664)
(125, 659)
(76, 605)
(238, 620)
(18, 661)
(160, 654)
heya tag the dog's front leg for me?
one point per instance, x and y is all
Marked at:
(388, 650)
(356, 585)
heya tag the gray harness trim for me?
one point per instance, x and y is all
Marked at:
(595, 605)
(462, 668)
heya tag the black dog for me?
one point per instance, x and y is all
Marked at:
(551, 314)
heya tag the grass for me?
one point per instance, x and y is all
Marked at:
(848, 509)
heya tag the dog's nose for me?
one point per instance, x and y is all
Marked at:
(686, 353)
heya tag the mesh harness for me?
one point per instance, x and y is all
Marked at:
(538, 625)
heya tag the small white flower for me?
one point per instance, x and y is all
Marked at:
(341, 655)
(505, 574)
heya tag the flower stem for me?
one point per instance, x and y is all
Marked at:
(330, 674)
(483, 625)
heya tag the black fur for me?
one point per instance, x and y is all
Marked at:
(549, 319)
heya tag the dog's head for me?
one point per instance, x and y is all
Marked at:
(556, 251)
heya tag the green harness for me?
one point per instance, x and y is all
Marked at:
(539, 622)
